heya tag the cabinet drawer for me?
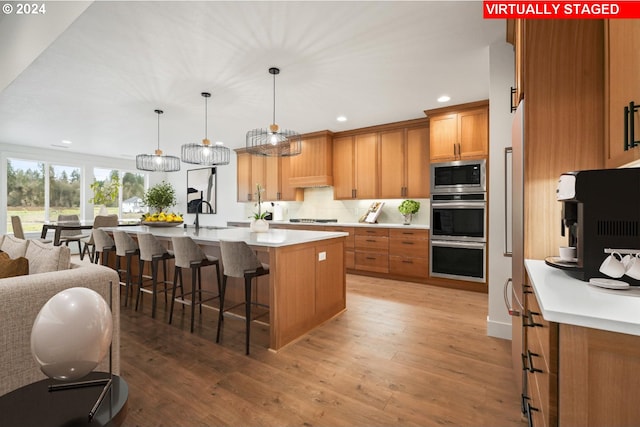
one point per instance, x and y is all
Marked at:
(409, 247)
(350, 240)
(411, 267)
(376, 262)
(542, 335)
(350, 259)
(372, 243)
(410, 233)
(536, 407)
(370, 231)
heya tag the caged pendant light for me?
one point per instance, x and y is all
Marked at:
(157, 162)
(274, 142)
(205, 153)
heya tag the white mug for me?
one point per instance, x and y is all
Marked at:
(633, 268)
(568, 253)
(612, 266)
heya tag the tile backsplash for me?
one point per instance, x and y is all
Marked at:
(320, 204)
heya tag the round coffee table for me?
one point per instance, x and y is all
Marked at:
(35, 405)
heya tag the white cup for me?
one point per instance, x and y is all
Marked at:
(633, 268)
(568, 253)
(612, 266)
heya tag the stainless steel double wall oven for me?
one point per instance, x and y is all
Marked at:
(458, 220)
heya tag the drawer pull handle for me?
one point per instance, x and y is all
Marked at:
(407, 262)
(525, 367)
(370, 257)
(530, 323)
(408, 243)
(529, 416)
(529, 356)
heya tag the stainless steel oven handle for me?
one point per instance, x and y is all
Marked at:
(454, 244)
(477, 205)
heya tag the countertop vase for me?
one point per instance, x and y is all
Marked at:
(259, 226)
(407, 218)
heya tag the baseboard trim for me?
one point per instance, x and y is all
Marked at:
(498, 329)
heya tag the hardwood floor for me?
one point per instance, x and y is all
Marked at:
(402, 354)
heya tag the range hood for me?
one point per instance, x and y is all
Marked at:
(313, 167)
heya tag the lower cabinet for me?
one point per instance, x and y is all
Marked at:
(409, 252)
(372, 249)
(349, 245)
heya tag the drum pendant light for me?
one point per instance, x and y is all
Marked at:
(157, 162)
(274, 142)
(205, 153)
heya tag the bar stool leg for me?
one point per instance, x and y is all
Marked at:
(247, 301)
(164, 280)
(140, 270)
(195, 278)
(154, 286)
(221, 312)
(128, 287)
(177, 276)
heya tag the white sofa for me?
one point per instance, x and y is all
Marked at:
(21, 299)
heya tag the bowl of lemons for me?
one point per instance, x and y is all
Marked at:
(162, 219)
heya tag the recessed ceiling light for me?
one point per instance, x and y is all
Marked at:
(341, 118)
(66, 141)
(444, 98)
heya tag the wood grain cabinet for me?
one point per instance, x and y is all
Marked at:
(460, 132)
(409, 252)
(349, 245)
(372, 249)
(404, 163)
(314, 165)
(622, 86)
(272, 173)
(355, 166)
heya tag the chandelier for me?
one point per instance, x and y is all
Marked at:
(157, 162)
(274, 142)
(205, 153)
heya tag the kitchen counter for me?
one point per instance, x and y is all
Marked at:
(336, 224)
(306, 284)
(564, 299)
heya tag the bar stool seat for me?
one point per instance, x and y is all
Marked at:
(104, 244)
(126, 248)
(189, 255)
(239, 260)
(151, 250)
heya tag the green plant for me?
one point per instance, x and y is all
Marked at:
(105, 192)
(409, 207)
(160, 196)
(258, 193)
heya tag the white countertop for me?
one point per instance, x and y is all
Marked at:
(340, 224)
(272, 238)
(564, 299)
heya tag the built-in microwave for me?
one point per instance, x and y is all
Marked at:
(460, 176)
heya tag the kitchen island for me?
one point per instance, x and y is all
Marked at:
(583, 355)
(306, 285)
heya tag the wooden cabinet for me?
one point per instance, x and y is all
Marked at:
(349, 245)
(460, 132)
(409, 252)
(388, 161)
(314, 165)
(272, 173)
(355, 167)
(622, 62)
(404, 163)
(540, 361)
(372, 249)
(516, 36)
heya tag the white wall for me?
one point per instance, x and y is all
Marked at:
(501, 72)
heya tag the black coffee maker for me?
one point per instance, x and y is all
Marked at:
(600, 210)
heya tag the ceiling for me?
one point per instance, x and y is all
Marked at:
(98, 83)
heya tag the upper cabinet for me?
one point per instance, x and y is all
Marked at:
(622, 62)
(388, 161)
(459, 132)
(313, 167)
(272, 173)
(515, 36)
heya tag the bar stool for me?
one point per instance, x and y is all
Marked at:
(189, 255)
(151, 250)
(128, 248)
(103, 245)
(240, 261)
(89, 247)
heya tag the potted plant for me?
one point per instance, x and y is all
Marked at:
(105, 192)
(160, 197)
(407, 208)
(258, 222)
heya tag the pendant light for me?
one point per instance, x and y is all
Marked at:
(274, 142)
(157, 162)
(205, 153)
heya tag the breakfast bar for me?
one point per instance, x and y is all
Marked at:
(307, 279)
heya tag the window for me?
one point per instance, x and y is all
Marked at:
(132, 193)
(64, 191)
(26, 193)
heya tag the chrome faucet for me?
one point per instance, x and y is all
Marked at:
(200, 203)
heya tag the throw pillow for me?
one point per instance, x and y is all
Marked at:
(13, 267)
(44, 257)
(15, 247)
